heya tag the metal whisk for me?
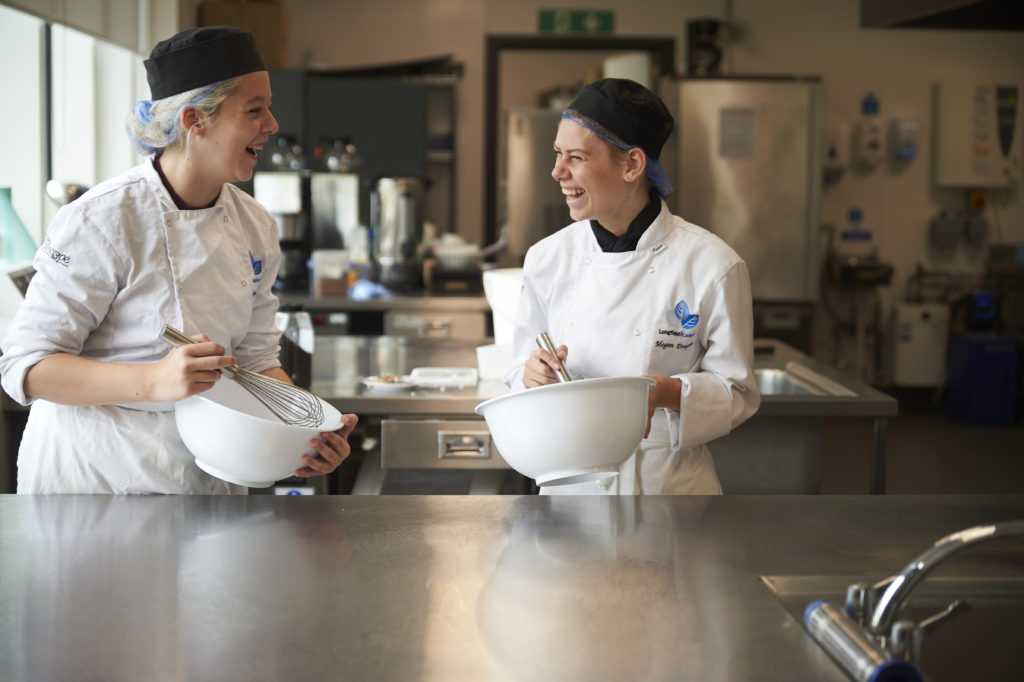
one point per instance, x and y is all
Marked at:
(291, 404)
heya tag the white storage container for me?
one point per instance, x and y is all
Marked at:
(920, 332)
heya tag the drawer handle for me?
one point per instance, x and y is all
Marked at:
(463, 445)
(436, 329)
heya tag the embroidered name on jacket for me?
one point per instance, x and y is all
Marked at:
(55, 255)
(687, 327)
(257, 267)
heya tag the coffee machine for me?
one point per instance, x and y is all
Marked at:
(338, 200)
(283, 189)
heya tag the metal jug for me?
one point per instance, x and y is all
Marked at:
(396, 218)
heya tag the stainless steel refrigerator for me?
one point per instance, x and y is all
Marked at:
(750, 171)
(533, 204)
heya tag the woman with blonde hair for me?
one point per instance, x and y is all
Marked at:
(170, 241)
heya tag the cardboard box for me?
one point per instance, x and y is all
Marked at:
(265, 19)
(327, 286)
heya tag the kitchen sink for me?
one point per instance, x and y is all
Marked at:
(982, 643)
(777, 382)
(796, 379)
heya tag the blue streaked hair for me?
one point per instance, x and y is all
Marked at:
(154, 126)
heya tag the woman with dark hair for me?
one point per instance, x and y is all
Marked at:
(170, 241)
(630, 289)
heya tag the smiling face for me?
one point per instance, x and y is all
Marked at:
(593, 178)
(232, 139)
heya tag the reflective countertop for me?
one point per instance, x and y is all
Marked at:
(419, 302)
(439, 588)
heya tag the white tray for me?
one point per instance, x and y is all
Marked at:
(442, 377)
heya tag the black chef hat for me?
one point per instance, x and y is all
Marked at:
(626, 114)
(200, 56)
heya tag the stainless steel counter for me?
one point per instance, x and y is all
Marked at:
(778, 450)
(341, 362)
(444, 588)
(789, 425)
(422, 302)
(850, 398)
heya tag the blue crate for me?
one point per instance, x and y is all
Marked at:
(982, 378)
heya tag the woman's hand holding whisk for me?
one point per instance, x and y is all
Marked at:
(331, 451)
(186, 370)
(541, 366)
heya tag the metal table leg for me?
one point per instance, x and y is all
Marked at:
(486, 481)
(370, 479)
(879, 433)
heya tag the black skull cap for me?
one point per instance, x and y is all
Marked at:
(200, 56)
(629, 111)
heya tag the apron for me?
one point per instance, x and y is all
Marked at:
(135, 448)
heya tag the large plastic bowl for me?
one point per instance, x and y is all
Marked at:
(569, 433)
(235, 438)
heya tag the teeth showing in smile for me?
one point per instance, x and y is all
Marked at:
(572, 193)
(254, 148)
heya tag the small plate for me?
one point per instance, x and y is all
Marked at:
(397, 386)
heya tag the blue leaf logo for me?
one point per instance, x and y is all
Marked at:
(687, 319)
(257, 266)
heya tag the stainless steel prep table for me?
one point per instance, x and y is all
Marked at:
(792, 421)
(155, 588)
(407, 424)
(340, 363)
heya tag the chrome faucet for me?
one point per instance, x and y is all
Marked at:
(897, 589)
(868, 636)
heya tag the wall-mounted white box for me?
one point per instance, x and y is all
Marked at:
(978, 128)
(904, 136)
(920, 333)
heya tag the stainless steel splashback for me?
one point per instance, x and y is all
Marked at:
(750, 171)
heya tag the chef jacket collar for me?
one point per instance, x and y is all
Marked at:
(175, 197)
(627, 241)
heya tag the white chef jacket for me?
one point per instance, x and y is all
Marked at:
(117, 264)
(679, 306)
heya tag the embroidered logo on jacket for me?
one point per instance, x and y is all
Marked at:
(687, 320)
(257, 267)
(55, 255)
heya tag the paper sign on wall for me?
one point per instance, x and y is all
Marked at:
(736, 133)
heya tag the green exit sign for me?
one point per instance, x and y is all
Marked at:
(579, 21)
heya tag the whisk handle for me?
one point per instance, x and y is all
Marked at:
(176, 338)
(544, 341)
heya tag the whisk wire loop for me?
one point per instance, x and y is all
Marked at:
(291, 404)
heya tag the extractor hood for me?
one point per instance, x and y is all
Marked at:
(1000, 15)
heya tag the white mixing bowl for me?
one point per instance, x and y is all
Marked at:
(235, 438)
(569, 433)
